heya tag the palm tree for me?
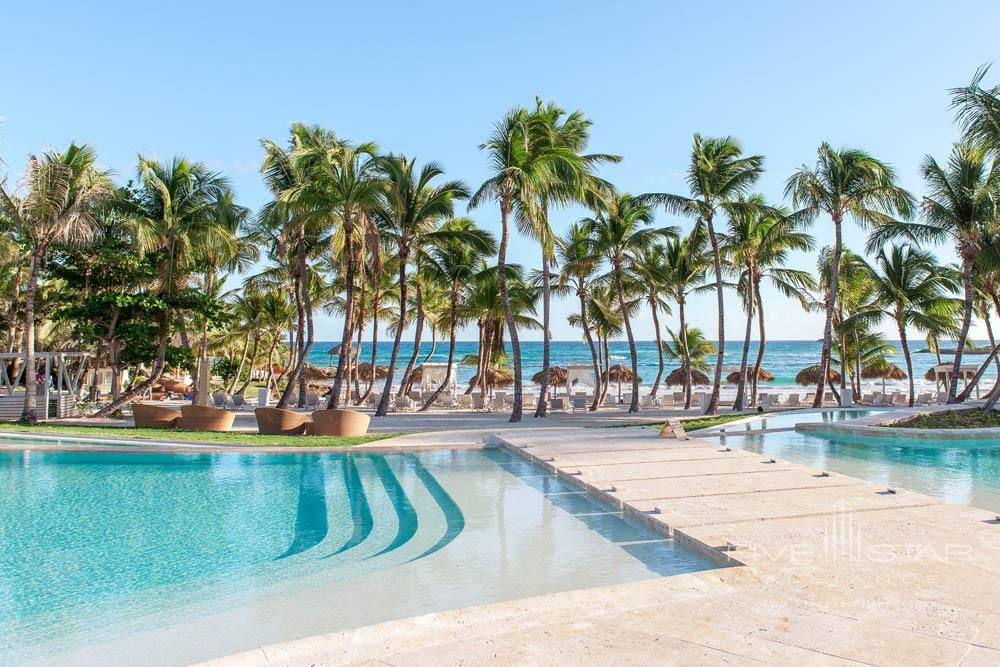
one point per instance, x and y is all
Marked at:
(687, 261)
(618, 230)
(962, 205)
(756, 244)
(568, 177)
(845, 183)
(717, 176)
(410, 207)
(174, 216)
(978, 111)
(689, 347)
(455, 257)
(911, 288)
(650, 275)
(578, 263)
(61, 190)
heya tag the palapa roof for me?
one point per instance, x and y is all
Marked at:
(365, 371)
(557, 376)
(620, 373)
(676, 377)
(883, 371)
(763, 376)
(810, 375)
(495, 377)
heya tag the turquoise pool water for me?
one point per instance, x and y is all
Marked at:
(955, 471)
(118, 558)
(790, 419)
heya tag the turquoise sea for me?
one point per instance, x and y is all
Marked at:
(782, 358)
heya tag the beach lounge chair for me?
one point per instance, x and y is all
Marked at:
(312, 399)
(610, 401)
(150, 415)
(497, 404)
(665, 401)
(239, 401)
(900, 399)
(445, 401)
(770, 401)
(478, 402)
(220, 398)
(627, 399)
(275, 421)
(810, 397)
(647, 401)
(204, 418)
(557, 404)
(924, 398)
(340, 422)
(579, 403)
(464, 401)
(528, 401)
(404, 404)
(793, 400)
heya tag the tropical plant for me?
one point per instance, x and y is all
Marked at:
(59, 194)
(717, 175)
(845, 183)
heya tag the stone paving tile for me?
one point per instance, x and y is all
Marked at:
(649, 456)
(978, 656)
(720, 484)
(669, 469)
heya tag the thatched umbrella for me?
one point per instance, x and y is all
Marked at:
(365, 372)
(810, 375)
(676, 377)
(620, 373)
(495, 377)
(557, 378)
(884, 370)
(762, 376)
(334, 350)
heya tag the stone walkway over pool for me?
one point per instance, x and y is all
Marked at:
(823, 569)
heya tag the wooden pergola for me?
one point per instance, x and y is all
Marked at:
(67, 386)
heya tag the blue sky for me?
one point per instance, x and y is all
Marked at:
(206, 80)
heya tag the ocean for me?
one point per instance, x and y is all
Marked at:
(782, 358)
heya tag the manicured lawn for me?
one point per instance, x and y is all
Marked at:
(951, 419)
(231, 438)
(692, 423)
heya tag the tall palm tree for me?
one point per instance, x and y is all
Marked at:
(717, 176)
(455, 258)
(962, 205)
(691, 349)
(174, 216)
(912, 289)
(756, 243)
(619, 231)
(60, 192)
(650, 275)
(578, 264)
(851, 183)
(568, 177)
(978, 111)
(411, 206)
(687, 261)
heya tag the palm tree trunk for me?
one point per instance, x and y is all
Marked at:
(451, 347)
(383, 404)
(713, 403)
(346, 343)
(242, 364)
(300, 323)
(376, 304)
(253, 360)
(824, 359)
(659, 347)
(760, 343)
(543, 389)
(607, 368)
(163, 336)
(964, 333)
(741, 389)
(685, 354)
(593, 349)
(15, 290)
(633, 353)
(906, 355)
(29, 414)
(508, 311)
(434, 344)
(406, 382)
(978, 376)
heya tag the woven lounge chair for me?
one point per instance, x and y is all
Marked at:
(340, 422)
(149, 415)
(275, 421)
(204, 418)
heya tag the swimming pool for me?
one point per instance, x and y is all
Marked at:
(955, 471)
(194, 555)
(790, 419)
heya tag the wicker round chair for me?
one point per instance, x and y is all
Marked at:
(151, 415)
(275, 421)
(340, 422)
(204, 418)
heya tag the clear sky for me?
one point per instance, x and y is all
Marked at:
(207, 79)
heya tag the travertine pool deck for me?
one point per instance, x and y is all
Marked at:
(824, 570)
